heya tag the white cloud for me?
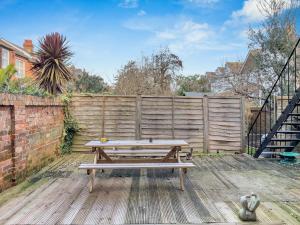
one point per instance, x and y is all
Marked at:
(141, 13)
(250, 12)
(129, 4)
(185, 35)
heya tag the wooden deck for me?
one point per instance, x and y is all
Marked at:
(58, 194)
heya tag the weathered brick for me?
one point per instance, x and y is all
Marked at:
(34, 137)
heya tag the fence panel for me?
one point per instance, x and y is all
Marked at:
(208, 124)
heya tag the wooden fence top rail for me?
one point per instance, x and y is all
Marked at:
(132, 143)
(156, 96)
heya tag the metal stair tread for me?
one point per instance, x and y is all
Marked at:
(285, 139)
(288, 132)
(279, 146)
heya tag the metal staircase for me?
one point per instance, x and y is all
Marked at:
(276, 127)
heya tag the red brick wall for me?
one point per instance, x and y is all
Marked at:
(30, 135)
(5, 146)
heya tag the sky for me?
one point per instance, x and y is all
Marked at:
(105, 34)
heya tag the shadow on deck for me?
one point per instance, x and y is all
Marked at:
(212, 190)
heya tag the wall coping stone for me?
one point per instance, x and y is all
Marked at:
(19, 99)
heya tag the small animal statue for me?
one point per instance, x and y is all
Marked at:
(249, 205)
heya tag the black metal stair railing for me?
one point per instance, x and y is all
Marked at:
(279, 110)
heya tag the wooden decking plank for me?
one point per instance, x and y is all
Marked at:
(189, 208)
(44, 208)
(100, 212)
(120, 205)
(226, 212)
(133, 200)
(71, 196)
(208, 201)
(198, 202)
(165, 204)
(177, 207)
(282, 214)
(75, 206)
(143, 206)
(27, 212)
(154, 215)
(15, 205)
(59, 197)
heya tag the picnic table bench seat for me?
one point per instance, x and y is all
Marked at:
(136, 165)
(94, 166)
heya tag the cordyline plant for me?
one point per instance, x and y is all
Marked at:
(51, 67)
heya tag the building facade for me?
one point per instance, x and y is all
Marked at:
(20, 57)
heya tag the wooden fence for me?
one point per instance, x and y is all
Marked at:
(208, 124)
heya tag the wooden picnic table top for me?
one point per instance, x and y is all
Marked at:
(133, 143)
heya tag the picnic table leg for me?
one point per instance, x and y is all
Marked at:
(181, 179)
(92, 175)
(173, 168)
(99, 158)
(180, 171)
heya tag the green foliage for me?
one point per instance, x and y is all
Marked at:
(51, 67)
(6, 75)
(9, 84)
(90, 83)
(195, 83)
(70, 127)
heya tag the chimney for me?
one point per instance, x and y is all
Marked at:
(28, 46)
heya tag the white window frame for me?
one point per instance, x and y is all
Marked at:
(20, 67)
(4, 58)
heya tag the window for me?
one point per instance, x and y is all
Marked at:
(20, 67)
(5, 58)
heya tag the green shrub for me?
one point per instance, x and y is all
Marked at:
(9, 84)
(70, 127)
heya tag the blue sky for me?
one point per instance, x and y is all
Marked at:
(105, 34)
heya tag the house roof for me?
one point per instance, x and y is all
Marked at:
(233, 66)
(248, 65)
(18, 50)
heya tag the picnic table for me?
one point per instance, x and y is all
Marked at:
(107, 156)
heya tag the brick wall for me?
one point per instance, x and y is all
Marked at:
(30, 135)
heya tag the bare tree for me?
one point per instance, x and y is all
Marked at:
(151, 76)
(165, 67)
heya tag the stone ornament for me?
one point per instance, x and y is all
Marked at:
(249, 205)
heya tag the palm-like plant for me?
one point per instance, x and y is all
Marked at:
(51, 67)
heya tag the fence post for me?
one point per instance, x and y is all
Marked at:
(138, 119)
(206, 124)
(103, 116)
(242, 111)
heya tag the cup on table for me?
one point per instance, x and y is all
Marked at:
(103, 139)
